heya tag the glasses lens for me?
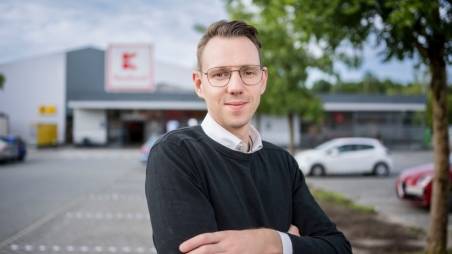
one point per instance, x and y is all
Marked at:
(218, 76)
(251, 75)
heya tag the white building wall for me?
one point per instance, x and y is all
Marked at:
(29, 84)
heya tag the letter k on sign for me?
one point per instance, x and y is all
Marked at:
(127, 61)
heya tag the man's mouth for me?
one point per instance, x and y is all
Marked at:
(236, 105)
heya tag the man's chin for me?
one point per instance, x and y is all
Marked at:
(238, 123)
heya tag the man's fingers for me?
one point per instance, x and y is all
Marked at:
(198, 241)
(207, 249)
(294, 230)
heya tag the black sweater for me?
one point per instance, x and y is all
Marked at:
(196, 185)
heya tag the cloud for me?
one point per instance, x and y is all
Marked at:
(37, 27)
(30, 28)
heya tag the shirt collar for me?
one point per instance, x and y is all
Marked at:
(216, 132)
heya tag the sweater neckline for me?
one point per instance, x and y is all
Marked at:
(225, 150)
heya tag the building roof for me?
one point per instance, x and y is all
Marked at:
(160, 100)
(377, 102)
(372, 98)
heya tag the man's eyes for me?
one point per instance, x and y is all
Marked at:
(220, 74)
(249, 72)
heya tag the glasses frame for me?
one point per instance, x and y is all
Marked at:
(261, 68)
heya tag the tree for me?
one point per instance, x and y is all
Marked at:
(286, 93)
(406, 28)
(2, 81)
(321, 86)
(429, 108)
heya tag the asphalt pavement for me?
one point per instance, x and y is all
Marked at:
(75, 201)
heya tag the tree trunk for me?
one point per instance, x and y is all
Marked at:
(291, 146)
(258, 122)
(437, 236)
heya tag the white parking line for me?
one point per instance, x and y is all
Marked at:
(84, 155)
(106, 216)
(83, 248)
(116, 197)
(28, 247)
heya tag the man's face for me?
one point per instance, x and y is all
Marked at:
(233, 105)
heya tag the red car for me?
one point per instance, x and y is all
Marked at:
(415, 184)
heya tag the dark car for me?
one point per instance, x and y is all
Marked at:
(12, 148)
(415, 184)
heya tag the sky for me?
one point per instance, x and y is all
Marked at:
(32, 28)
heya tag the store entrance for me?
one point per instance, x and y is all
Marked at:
(134, 132)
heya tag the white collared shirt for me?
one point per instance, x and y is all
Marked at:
(219, 134)
(216, 132)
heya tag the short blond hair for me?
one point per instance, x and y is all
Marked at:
(228, 29)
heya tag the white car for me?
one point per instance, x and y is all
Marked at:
(346, 156)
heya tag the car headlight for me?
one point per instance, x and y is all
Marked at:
(424, 180)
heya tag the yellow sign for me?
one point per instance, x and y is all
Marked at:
(46, 134)
(47, 110)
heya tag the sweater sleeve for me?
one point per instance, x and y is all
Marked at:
(179, 208)
(318, 234)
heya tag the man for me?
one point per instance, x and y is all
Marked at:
(218, 188)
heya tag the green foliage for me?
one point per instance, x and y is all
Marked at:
(2, 80)
(338, 199)
(199, 28)
(370, 84)
(405, 27)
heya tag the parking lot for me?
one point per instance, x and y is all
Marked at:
(92, 200)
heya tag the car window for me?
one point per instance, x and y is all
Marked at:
(346, 148)
(325, 145)
(364, 147)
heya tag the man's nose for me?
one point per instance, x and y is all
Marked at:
(236, 84)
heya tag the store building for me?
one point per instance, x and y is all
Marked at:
(394, 120)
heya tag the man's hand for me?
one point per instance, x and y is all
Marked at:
(258, 241)
(294, 230)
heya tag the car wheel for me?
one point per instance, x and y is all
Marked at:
(317, 170)
(381, 169)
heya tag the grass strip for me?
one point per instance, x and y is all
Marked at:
(336, 198)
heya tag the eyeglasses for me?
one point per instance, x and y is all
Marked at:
(219, 76)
